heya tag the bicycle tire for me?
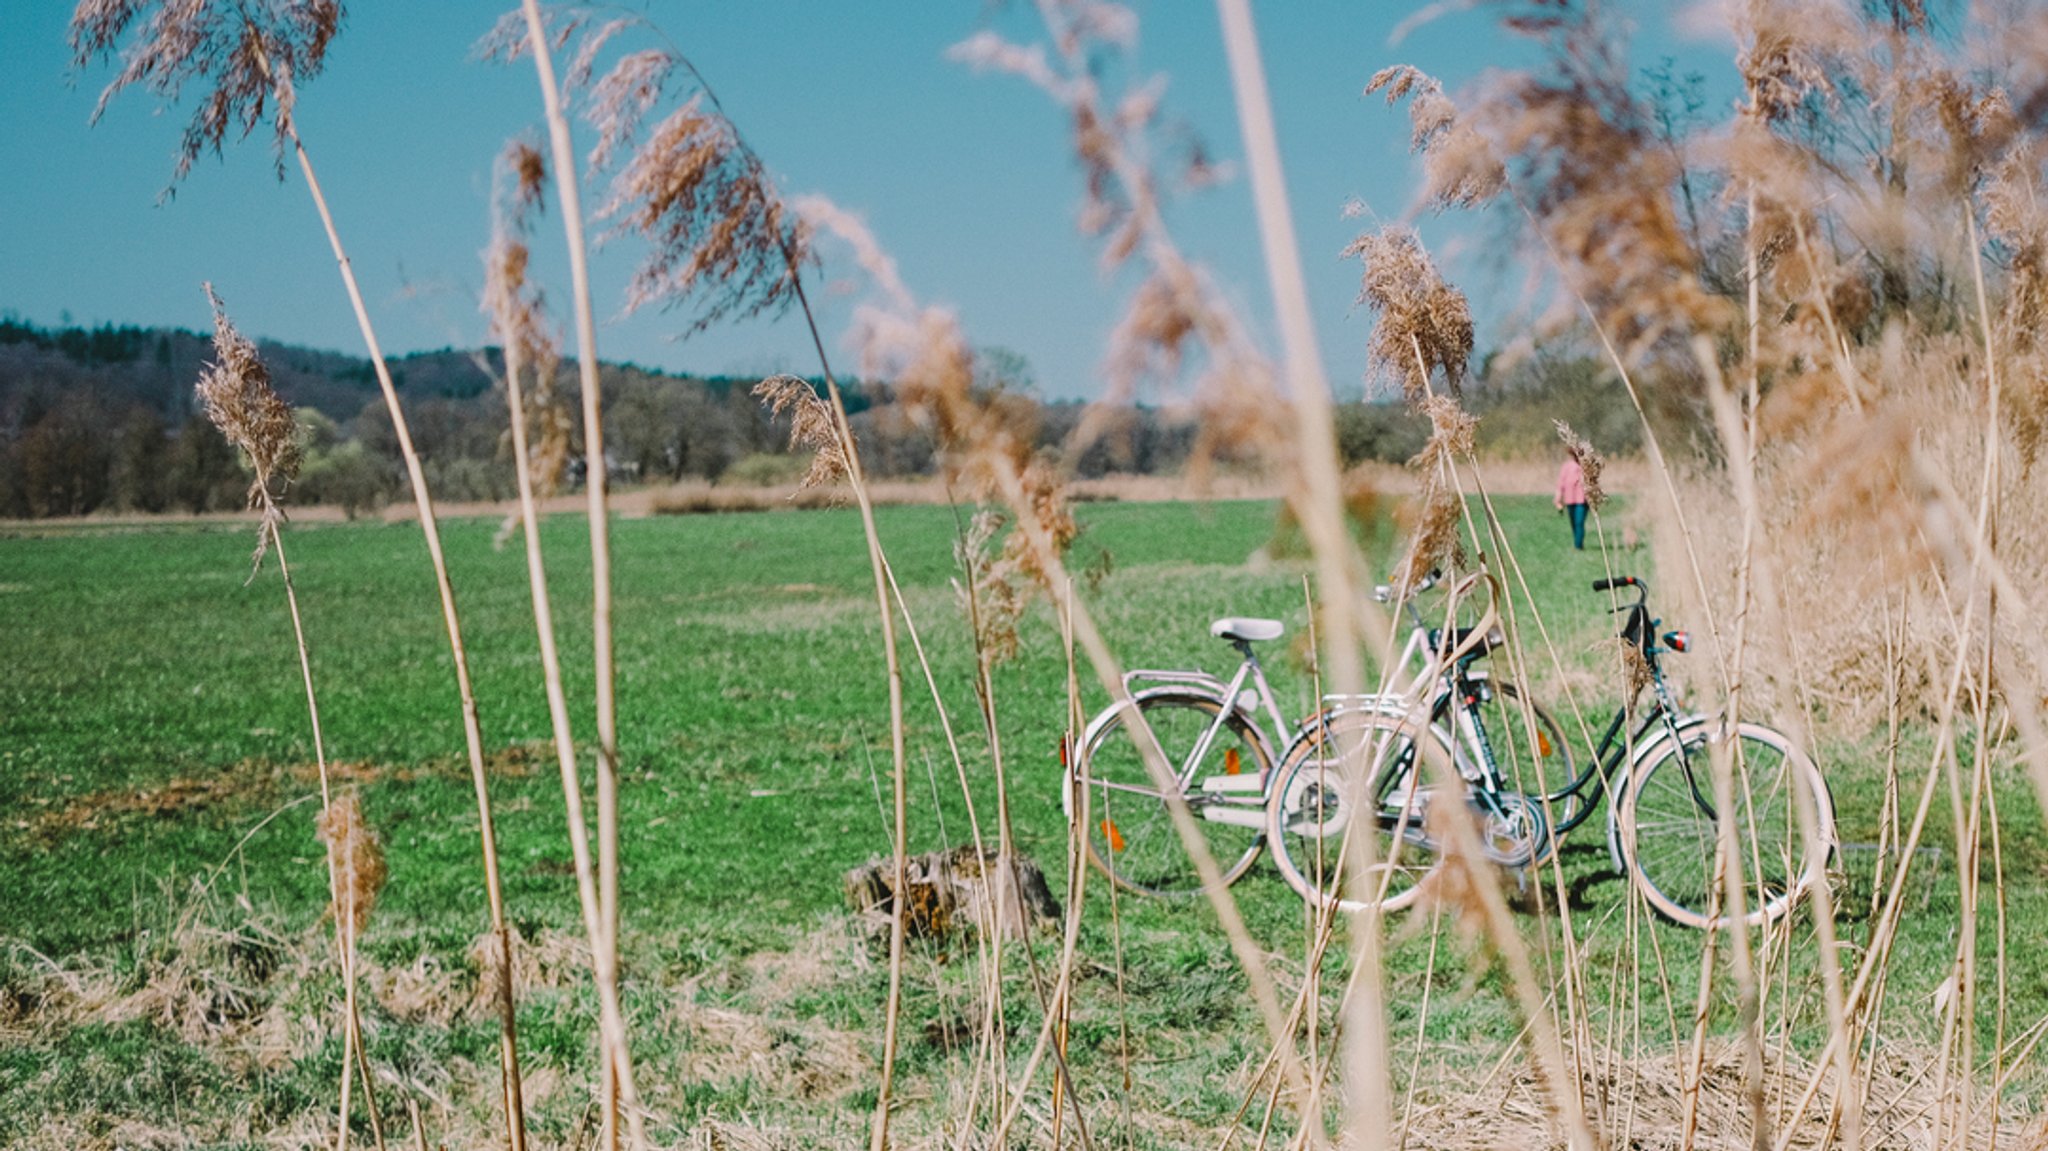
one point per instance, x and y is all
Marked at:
(1130, 831)
(1669, 841)
(1531, 768)
(1310, 825)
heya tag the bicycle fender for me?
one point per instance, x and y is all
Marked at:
(1115, 711)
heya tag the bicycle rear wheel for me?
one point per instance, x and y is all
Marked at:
(1130, 831)
(1666, 829)
(1353, 786)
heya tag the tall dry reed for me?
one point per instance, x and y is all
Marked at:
(248, 61)
(236, 394)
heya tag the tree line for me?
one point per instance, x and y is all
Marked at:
(103, 420)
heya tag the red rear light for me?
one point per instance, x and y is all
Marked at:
(1064, 760)
(1677, 641)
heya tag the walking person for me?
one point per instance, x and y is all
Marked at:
(1571, 496)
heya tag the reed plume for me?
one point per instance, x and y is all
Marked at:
(811, 426)
(236, 394)
(1424, 326)
(1460, 167)
(355, 862)
(1591, 462)
(518, 310)
(1176, 321)
(717, 236)
(248, 58)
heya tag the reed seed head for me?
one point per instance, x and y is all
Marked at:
(237, 397)
(247, 55)
(519, 316)
(993, 602)
(812, 425)
(1425, 325)
(721, 240)
(1591, 462)
(1460, 169)
(621, 100)
(1438, 509)
(355, 858)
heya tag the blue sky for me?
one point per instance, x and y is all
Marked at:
(966, 178)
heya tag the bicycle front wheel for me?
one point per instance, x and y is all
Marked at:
(1666, 825)
(1528, 746)
(1130, 830)
(1346, 813)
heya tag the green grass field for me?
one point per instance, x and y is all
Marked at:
(155, 774)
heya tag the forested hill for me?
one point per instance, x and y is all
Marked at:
(104, 419)
(155, 368)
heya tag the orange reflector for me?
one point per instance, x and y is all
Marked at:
(1543, 746)
(1110, 833)
(1231, 766)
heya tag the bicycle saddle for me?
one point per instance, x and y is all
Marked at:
(1239, 629)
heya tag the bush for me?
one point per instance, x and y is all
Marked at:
(764, 470)
(1379, 433)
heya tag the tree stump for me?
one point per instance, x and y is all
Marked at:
(949, 891)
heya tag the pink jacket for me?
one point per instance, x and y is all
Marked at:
(1571, 483)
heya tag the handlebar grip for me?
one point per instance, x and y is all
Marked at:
(1609, 584)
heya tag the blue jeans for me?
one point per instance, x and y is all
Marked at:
(1577, 512)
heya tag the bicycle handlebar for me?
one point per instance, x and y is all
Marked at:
(1384, 593)
(1463, 642)
(1619, 581)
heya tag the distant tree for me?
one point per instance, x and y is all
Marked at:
(999, 369)
(137, 471)
(64, 457)
(204, 472)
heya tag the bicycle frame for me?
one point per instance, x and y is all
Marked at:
(1231, 694)
(1622, 746)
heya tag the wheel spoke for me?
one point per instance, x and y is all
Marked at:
(1131, 830)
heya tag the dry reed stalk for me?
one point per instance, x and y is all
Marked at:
(925, 352)
(1736, 433)
(602, 918)
(993, 603)
(1077, 856)
(1574, 1018)
(516, 317)
(1969, 832)
(717, 228)
(879, 566)
(1740, 452)
(251, 58)
(989, 951)
(237, 397)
